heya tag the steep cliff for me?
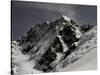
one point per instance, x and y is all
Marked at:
(50, 46)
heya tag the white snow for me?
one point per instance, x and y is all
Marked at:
(65, 48)
(86, 53)
(78, 33)
(48, 22)
(61, 28)
(66, 18)
(23, 64)
(76, 43)
(56, 27)
(87, 62)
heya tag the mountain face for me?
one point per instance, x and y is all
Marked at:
(45, 46)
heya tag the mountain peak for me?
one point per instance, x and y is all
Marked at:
(66, 18)
(49, 44)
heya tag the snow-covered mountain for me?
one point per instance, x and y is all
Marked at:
(50, 46)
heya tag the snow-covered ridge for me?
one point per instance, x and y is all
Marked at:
(66, 18)
(46, 45)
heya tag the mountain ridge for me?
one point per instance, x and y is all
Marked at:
(49, 46)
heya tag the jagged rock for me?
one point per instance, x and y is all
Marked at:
(47, 45)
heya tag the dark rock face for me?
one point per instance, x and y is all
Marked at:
(68, 37)
(63, 35)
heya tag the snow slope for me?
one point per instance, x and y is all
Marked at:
(44, 50)
(85, 56)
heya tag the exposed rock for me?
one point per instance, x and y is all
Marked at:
(47, 46)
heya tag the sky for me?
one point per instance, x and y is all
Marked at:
(25, 14)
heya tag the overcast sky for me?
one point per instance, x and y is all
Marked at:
(27, 14)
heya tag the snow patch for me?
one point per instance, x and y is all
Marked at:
(65, 48)
(66, 18)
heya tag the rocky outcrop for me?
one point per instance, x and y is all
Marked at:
(46, 46)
